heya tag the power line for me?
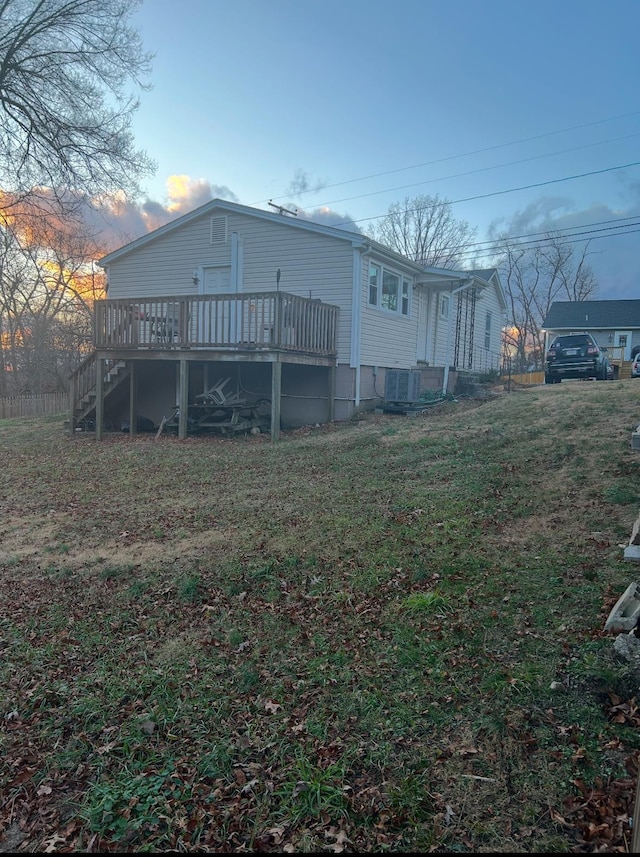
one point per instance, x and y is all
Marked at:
(541, 243)
(495, 245)
(461, 155)
(502, 192)
(476, 171)
(545, 232)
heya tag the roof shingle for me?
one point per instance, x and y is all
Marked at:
(623, 315)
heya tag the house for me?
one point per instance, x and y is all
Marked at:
(615, 325)
(260, 305)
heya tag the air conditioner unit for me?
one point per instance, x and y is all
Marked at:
(402, 385)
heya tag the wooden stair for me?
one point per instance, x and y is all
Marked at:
(83, 390)
(624, 370)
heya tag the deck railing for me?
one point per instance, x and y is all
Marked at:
(246, 321)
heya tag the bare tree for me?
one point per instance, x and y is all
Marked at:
(65, 112)
(533, 278)
(48, 285)
(424, 229)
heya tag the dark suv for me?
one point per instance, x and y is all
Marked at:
(576, 355)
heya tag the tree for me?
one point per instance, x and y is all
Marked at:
(533, 278)
(425, 230)
(48, 286)
(65, 112)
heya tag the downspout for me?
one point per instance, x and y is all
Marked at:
(356, 315)
(445, 381)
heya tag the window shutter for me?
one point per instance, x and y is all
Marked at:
(219, 230)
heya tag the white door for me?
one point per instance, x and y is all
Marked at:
(216, 280)
(216, 318)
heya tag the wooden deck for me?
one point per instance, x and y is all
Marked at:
(271, 327)
(238, 322)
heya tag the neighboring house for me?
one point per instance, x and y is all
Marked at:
(308, 316)
(614, 324)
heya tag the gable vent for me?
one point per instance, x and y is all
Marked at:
(219, 230)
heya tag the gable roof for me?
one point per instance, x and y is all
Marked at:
(491, 275)
(564, 315)
(343, 234)
(482, 278)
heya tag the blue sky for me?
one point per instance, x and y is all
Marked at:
(362, 104)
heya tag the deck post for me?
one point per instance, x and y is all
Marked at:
(332, 393)
(276, 388)
(100, 367)
(133, 400)
(184, 397)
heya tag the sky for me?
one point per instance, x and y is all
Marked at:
(339, 108)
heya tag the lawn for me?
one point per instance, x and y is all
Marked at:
(385, 635)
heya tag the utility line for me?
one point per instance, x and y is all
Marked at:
(474, 172)
(502, 192)
(461, 155)
(496, 247)
(557, 231)
(486, 254)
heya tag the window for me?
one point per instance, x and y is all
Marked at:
(373, 284)
(388, 290)
(404, 306)
(390, 284)
(487, 331)
(445, 300)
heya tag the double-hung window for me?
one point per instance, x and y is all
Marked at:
(487, 331)
(445, 302)
(374, 280)
(389, 290)
(404, 301)
(390, 285)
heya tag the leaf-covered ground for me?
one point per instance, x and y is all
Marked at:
(378, 636)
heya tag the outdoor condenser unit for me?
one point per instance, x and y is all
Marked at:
(402, 385)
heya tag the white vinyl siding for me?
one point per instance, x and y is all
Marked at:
(312, 265)
(388, 339)
(486, 340)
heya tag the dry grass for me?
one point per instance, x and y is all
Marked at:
(344, 641)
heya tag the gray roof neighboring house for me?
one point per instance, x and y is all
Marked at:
(574, 315)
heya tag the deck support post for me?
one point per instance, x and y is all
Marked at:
(332, 393)
(100, 368)
(183, 386)
(133, 400)
(276, 389)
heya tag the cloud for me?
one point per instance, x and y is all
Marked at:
(301, 183)
(122, 221)
(613, 247)
(327, 217)
(115, 220)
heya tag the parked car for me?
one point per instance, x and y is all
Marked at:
(635, 366)
(611, 372)
(576, 355)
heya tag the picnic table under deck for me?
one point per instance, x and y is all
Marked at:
(227, 418)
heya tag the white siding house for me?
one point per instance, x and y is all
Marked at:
(360, 309)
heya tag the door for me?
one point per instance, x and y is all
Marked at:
(622, 340)
(216, 318)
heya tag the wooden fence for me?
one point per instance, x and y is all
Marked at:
(524, 378)
(33, 406)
